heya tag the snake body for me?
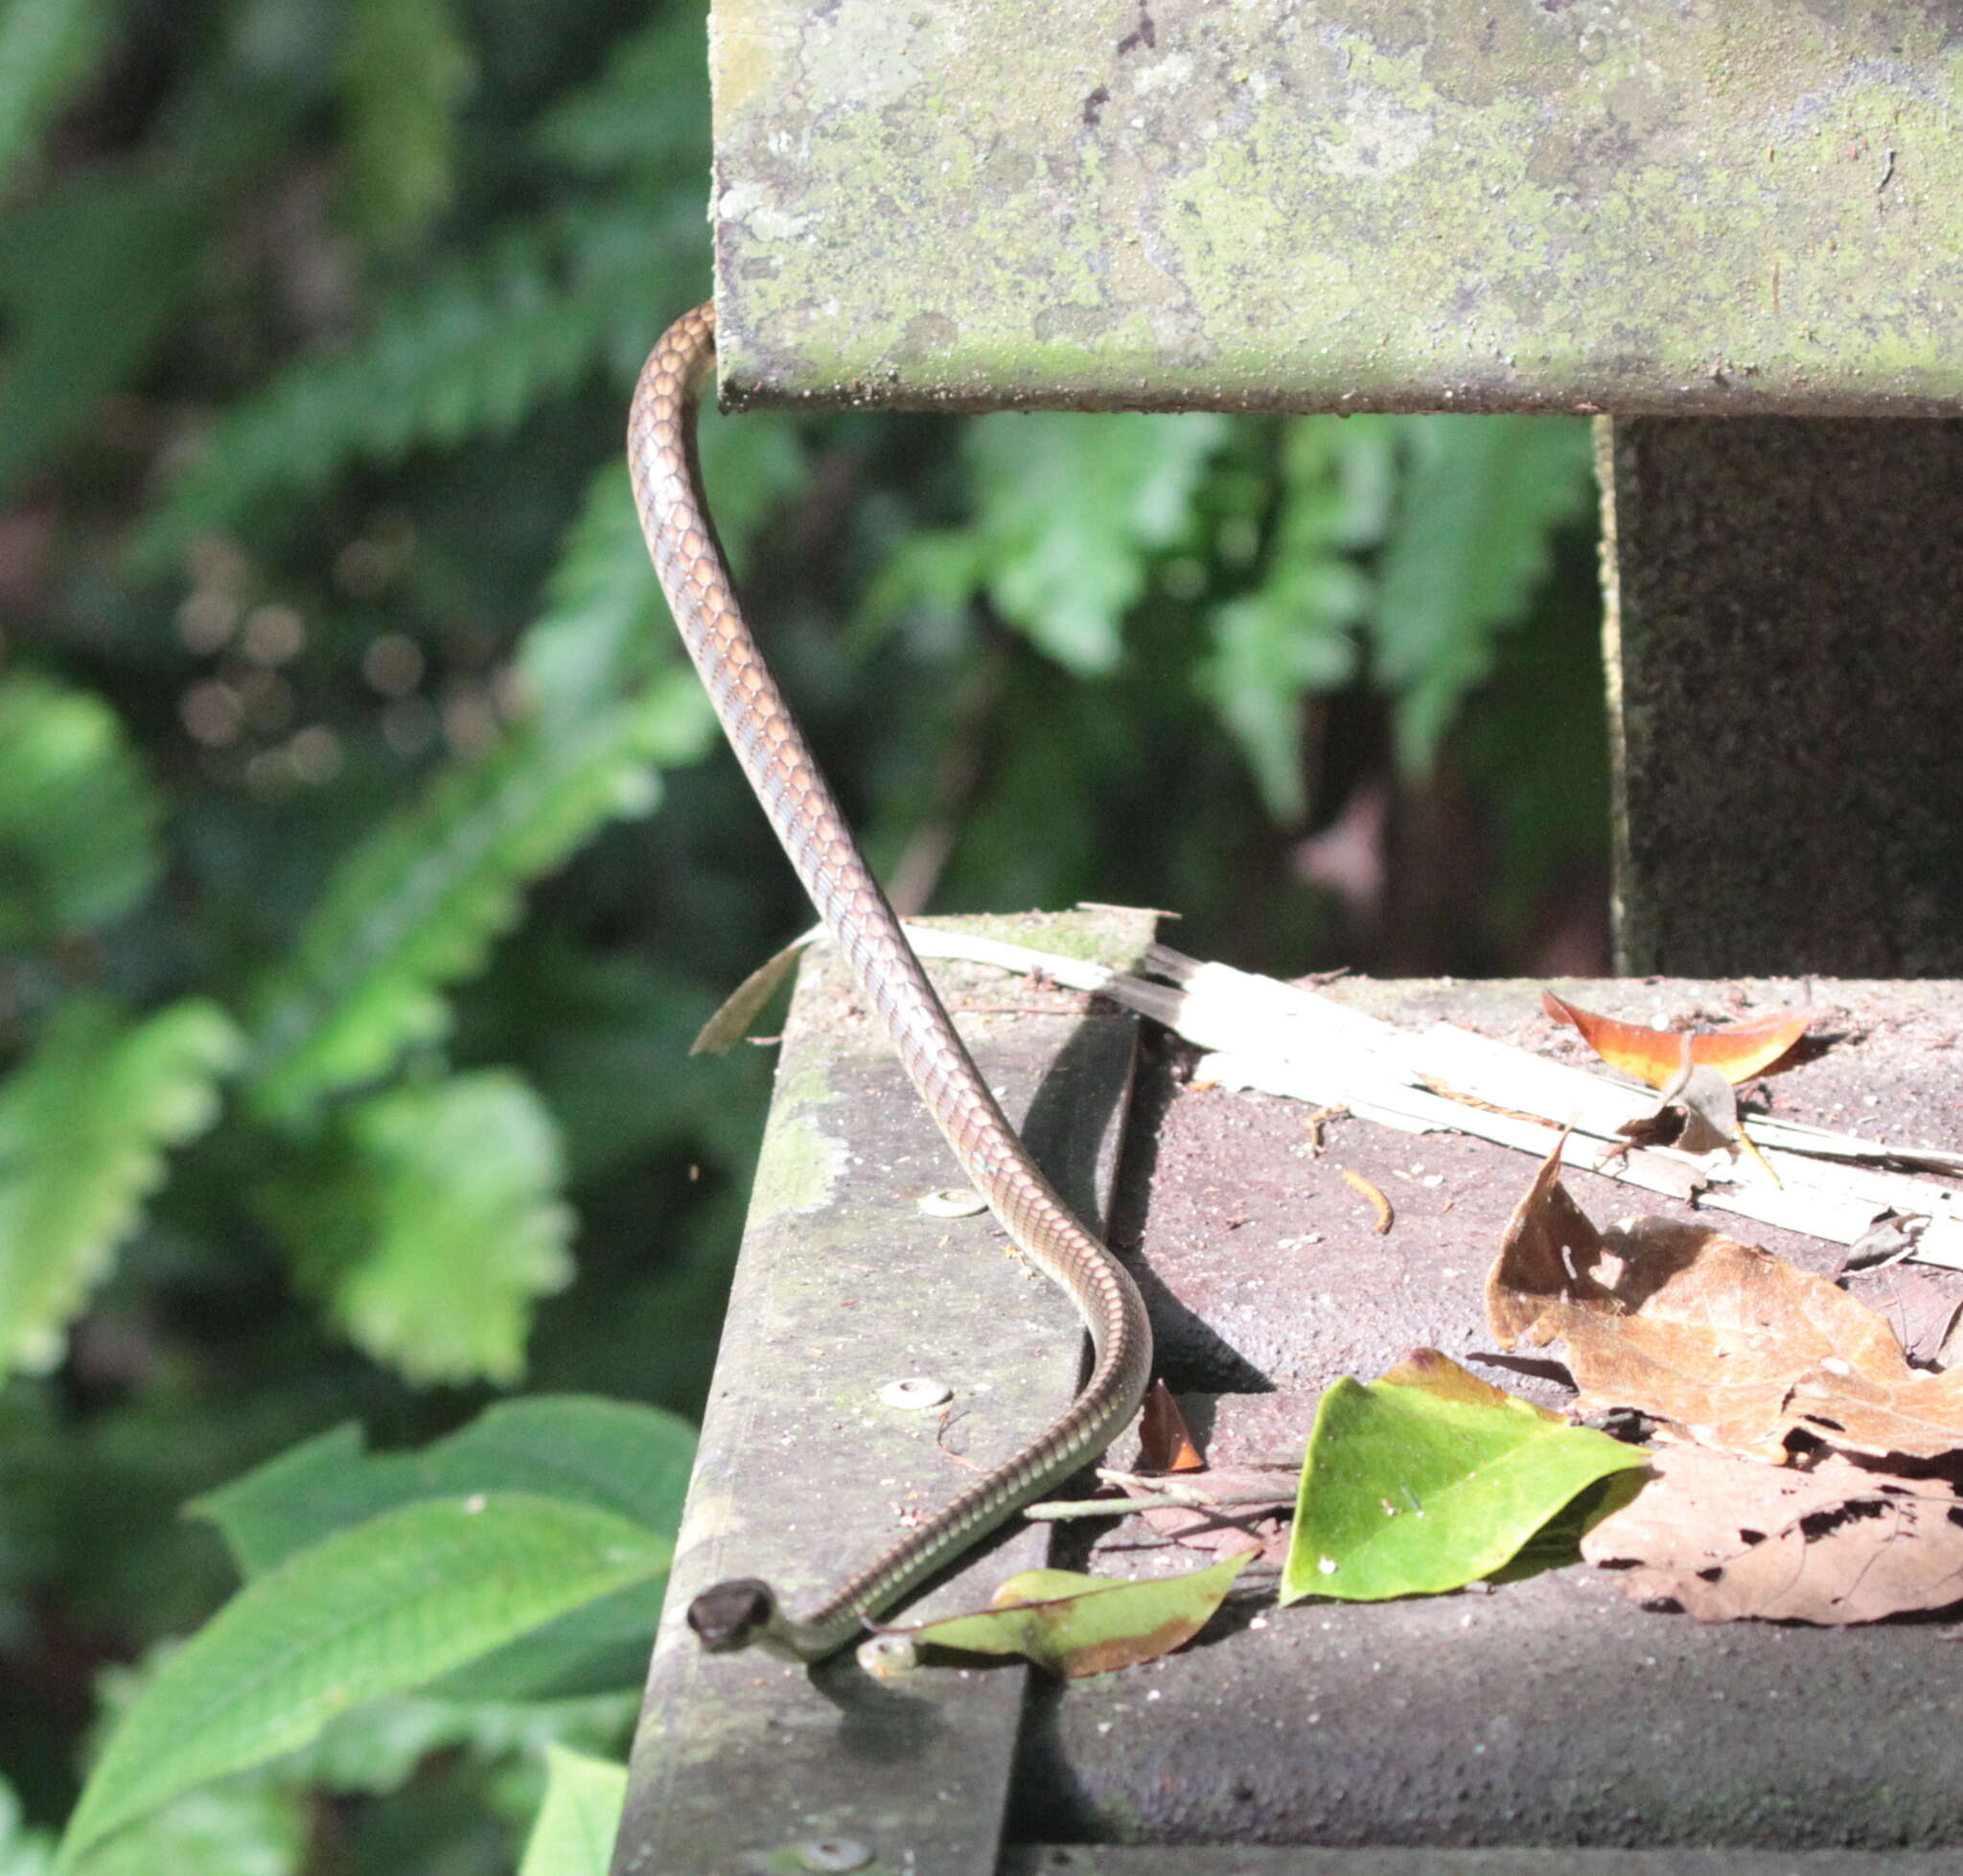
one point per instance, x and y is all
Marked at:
(773, 754)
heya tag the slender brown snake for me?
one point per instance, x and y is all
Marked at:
(661, 448)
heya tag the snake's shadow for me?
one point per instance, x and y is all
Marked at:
(1079, 1102)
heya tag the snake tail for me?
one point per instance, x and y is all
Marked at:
(771, 749)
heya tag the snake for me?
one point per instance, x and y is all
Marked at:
(802, 810)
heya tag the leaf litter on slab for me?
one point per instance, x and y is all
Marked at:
(1727, 1344)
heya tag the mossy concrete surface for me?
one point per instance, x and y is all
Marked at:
(1660, 206)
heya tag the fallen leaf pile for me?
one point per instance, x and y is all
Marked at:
(1800, 1396)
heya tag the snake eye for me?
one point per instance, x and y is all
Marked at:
(730, 1615)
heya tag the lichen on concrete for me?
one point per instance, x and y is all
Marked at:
(1649, 205)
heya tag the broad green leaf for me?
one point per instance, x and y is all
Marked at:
(84, 1122)
(48, 51)
(1429, 1479)
(241, 1827)
(432, 1223)
(579, 1817)
(614, 1455)
(406, 68)
(1078, 1625)
(378, 1747)
(1471, 544)
(416, 905)
(386, 1606)
(77, 815)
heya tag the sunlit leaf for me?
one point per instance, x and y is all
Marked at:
(1737, 1052)
(1428, 1480)
(77, 815)
(23, 1852)
(1078, 1625)
(613, 1454)
(574, 1832)
(241, 1827)
(385, 1605)
(433, 1222)
(84, 1124)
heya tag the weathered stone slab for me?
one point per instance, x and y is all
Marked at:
(1672, 206)
(845, 1285)
(1549, 1712)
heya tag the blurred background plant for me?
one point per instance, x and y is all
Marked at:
(362, 879)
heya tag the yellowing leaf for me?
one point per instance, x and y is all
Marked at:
(1077, 1625)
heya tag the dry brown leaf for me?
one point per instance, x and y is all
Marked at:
(1728, 1537)
(1165, 1444)
(1729, 1345)
(1655, 1055)
(1227, 1530)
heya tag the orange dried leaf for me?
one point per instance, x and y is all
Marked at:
(1655, 1055)
(1727, 1344)
(1726, 1539)
(1165, 1444)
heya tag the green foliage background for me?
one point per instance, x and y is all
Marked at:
(365, 867)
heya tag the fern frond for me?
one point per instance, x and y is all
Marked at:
(606, 628)
(49, 49)
(77, 815)
(1293, 634)
(1471, 542)
(406, 67)
(416, 906)
(432, 1223)
(1070, 511)
(485, 342)
(129, 241)
(83, 1127)
(648, 111)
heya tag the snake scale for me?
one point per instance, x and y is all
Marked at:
(773, 752)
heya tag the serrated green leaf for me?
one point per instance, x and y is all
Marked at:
(238, 1828)
(418, 903)
(1070, 509)
(386, 1606)
(406, 68)
(77, 815)
(48, 51)
(1471, 544)
(84, 1124)
(573, 1835)
(1078, 1625)
(614, 1456)
(433, 1222)
(1429, 1479)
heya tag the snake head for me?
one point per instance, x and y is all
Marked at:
(730, 1615)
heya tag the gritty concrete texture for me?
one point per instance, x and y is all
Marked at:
(1785, 687)
(804, 1474)
(1542, 1728)
(1634, 205)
